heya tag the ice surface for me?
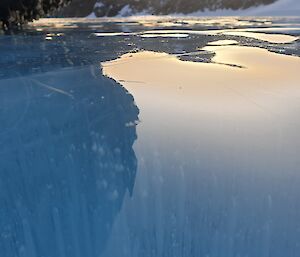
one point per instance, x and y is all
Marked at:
(183, 168)
(66, 162)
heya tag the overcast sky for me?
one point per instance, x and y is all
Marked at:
(281, 7)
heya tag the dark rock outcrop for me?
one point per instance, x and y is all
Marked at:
(14, 13)
(110, 8)
(78, 8)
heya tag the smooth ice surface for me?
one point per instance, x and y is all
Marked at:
(189, 149)
(223, 42)
(272, 38)
(175, 35)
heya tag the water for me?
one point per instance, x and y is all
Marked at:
(186, 146)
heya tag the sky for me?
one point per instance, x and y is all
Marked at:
(279, 8)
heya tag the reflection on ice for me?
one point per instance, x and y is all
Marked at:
(223, 42)
(165, 35)
(237, 92)
(217, 155)
(258, 29)
(272, 38)
(260, 33)
(110, 34)
(67, 162)
(158, 21)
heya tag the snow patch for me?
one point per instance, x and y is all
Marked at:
(126, 11)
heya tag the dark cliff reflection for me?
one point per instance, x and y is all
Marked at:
(66, 162)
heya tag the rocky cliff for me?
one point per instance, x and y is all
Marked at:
(157, 7)
(17, 12)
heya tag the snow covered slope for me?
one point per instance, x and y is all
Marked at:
(112, 8)
(278, 8)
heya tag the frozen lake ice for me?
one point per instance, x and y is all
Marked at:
(150, 137)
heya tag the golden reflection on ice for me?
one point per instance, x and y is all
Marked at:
(161, 21)
(258, 34)
(267, 86)
(235, 117)
(223, 42)
(111, 34)
(268, 37)
(272, 38)
(165, 35)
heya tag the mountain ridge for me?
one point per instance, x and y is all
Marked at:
(110, 8)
